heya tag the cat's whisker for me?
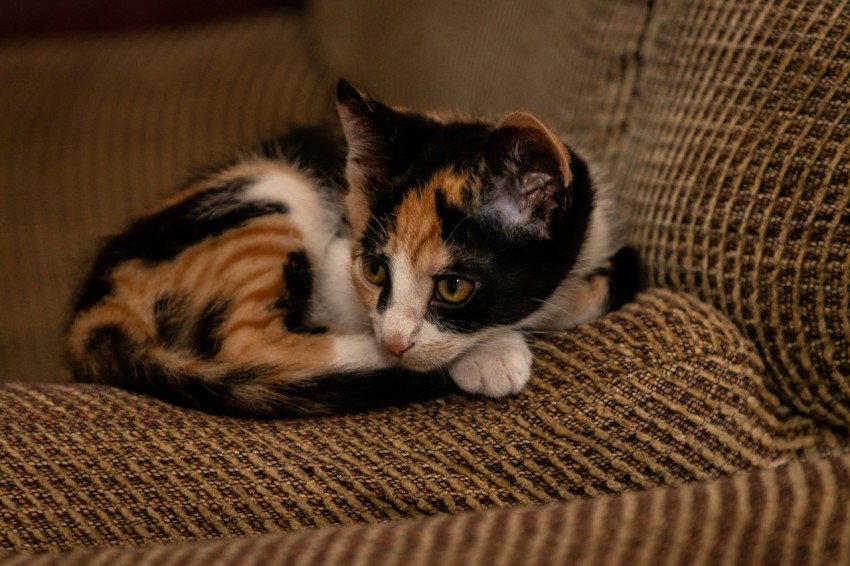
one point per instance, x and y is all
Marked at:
(545, 332)
(458, 225)
(444, 375)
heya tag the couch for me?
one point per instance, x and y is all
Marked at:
(705, 422)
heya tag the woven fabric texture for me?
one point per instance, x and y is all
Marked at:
(663, 392)
(795, 515)
(95, 128)
(735, 175)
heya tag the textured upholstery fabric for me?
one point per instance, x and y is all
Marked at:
(736, 178)
(664, 392)
(96, 128)
(791, 515)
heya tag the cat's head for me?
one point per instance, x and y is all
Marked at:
(461, 227)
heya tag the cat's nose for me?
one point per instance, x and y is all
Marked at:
(396, 348)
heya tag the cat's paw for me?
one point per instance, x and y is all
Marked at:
(499, 367)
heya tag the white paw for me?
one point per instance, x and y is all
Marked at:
(496, 368)
(360, 351)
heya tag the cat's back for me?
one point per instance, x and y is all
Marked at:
(224, 261)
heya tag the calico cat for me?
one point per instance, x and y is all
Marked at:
(346, 268)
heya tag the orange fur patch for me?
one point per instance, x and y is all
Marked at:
(357, 207)
(244, 266)
(451, 183)
(417, 233)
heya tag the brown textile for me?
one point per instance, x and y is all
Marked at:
(792, 515)
(736, 177)
(95, 128)
(664, 392)
(573, 63)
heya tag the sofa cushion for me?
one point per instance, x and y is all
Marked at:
(95, 128)
(735, 174)
(795, 514)
(665, 391)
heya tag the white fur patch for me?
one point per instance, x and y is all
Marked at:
(601, 241)
(336, 299)
(315, 218)
(359, 352)
(403, 319)
(498, 367)
(574, 302)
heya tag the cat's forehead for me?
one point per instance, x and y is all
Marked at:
(415, 236)
(415, 226)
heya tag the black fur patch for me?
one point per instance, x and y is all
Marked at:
(437, 146)
(359, 391)
(169, 314)
(422, 147)
(294, 305)
(515, 270)
(205, 337)
(179, 327)
(95, 288)
(384, 297)
(320, 149)
(165, 234)
(625, 279)
(113, 352)
(376, 233)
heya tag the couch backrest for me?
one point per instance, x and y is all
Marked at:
(724, 125)
(573, 63)
(735, 174)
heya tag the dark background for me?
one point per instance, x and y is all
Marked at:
(36, 17)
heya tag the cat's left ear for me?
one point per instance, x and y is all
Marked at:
(364, 123)
(531, 173)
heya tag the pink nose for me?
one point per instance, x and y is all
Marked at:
(396, 348)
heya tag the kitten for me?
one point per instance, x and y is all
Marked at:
(307, 279)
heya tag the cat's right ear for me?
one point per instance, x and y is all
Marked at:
(369, 150)
(532, 175)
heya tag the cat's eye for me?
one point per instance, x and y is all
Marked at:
(454, 290)
(375, 271)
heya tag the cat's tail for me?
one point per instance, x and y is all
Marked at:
(243, 390)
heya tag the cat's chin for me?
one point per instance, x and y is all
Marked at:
(421, 365)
